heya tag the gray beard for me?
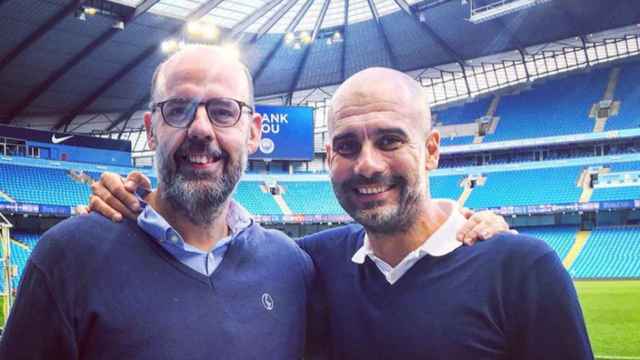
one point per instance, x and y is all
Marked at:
(395, 219)
(200, 202)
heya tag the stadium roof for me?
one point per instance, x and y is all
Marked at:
(54, 64)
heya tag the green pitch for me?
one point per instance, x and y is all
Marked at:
(612, 313)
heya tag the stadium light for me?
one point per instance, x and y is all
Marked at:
(499, 8)
(91, 11)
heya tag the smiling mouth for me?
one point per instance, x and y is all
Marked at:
(372, 189)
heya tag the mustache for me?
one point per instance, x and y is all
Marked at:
(377, 179)
(194, 146)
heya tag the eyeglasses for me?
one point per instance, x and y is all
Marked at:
(180, 112)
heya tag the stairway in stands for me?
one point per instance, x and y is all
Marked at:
(576, 248)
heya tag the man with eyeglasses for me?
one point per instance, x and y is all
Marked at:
(95, 289)
(193, 276)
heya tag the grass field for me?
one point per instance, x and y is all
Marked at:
(612, 313)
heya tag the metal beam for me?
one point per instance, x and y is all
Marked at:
(67, 118)
(385, 39)
(272, 21)
(426, 28)
(307, 51)
(343, 60)
(38, 33)
(45, 85)
(245, 23)
(291, 27)
(125, 116)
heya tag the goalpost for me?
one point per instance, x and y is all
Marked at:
(6, 268)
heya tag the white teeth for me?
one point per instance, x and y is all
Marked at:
(199, 159)
(372, 190)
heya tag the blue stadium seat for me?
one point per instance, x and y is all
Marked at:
(556, 107)
(560, 238)
(527, 187)
(628, 93)
(311, 198)
(257, 202)
(610, 252)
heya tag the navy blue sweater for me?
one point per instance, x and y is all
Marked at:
(506, 298)
(93, 289)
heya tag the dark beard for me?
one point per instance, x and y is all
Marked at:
(200, 197)
(400, 220)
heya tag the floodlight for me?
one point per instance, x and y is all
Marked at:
(169, 46)
(194, 28)
(90, 11)
(289, 37)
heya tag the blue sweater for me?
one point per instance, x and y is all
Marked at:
(506, 298)
(98, 290)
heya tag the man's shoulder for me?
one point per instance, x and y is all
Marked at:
(520, 249)
(80, 236)
(333, 241)
(270, 240)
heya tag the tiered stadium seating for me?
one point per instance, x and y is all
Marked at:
(557, 107)
(19, 256)
(560, 238)
(311, 198)
(461, 114)
(619, 193)
(610, 252)
(29, 239)
(41, 186)
(445, 187)
(628, 93)
(249, 194)
(527, 187)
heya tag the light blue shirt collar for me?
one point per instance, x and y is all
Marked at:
(151, 222)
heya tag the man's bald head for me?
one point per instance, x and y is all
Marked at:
(380, 84)
(205, 55)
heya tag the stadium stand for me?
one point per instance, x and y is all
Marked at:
(41, 186)
(620, 192)
(249, 194)
(27, 238)
(628, 93)
(560, 238)
(311, 198)
(525, 187)
(610, 252)
(556, 107)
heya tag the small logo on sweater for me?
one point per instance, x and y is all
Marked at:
(267, 301)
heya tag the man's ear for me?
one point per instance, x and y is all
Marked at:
(148, 126)
(255, 133)
(432, 145)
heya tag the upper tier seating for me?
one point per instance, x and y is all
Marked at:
(628, 93)
(461, 114)
(619, 193)
(527, 187)
(610, 252)
(556, 107)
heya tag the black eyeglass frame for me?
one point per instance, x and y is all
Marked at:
(241, 105)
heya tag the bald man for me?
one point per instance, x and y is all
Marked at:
(398, 285)
(149, 289)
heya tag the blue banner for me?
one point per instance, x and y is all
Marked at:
(287, 133)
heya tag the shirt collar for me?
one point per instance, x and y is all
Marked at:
(440, 243)
(149, 220)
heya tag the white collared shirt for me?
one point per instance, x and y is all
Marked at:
(440, 243)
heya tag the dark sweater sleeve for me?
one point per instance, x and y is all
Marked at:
(550, 324)
(36, 328)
